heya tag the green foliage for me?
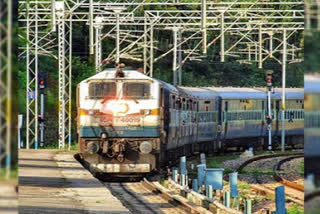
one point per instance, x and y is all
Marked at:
(312, 52)
(301, 168)
(13, 172)
(295, 210)
(209, 72)
(217, 162)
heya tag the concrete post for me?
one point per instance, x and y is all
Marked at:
(280, 201)
(203, 158)
(214, 177)
(183, 165)
(195, 186)
(248, 207)
(226, 199)
(233, 179)
(175, 175)
(209, 191)
(201, 174)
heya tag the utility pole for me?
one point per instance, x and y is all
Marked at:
(222, 37)
(204, 25)
(176, 75)
(180, 60)
(117, 11)
(174, 64)
(284, 61)
(98, 26)
(91, 40)
(53, 15)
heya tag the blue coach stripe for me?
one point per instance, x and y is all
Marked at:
(120, 131)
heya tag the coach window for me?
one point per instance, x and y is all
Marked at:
(188, 105)
(173, 101)
(136, 90)
(178, 104)
(100, 90)
(207, 104)
(226, 106)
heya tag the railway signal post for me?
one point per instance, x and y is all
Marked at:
(269, 116)
(42, 86)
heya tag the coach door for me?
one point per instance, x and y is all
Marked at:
(225, 116)
(276, 116)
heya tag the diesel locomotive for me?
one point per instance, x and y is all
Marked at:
(132, 124)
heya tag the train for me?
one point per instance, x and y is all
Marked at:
(312, 125)
(129, 123)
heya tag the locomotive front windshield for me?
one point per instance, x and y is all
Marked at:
(136, 90)
(100, 90)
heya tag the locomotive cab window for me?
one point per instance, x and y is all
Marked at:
(100, 90)
(136, 90)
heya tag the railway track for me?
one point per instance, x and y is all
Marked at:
(146, 197)
(277, 176)
(294, 191)
(143, 196)
(312, 195)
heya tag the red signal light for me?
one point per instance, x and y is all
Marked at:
(41, 82)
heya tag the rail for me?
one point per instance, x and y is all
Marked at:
(284, 181)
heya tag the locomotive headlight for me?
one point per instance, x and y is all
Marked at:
(117, 107)
(104, 135)
(145, 147)
(93, 147)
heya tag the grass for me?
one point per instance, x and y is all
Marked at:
(217, 161)
(295, 210)
(74, 146)
(301, 168)
(164, 182)
(245, 191)
(13, 173)
(257, 171)
(242, 185)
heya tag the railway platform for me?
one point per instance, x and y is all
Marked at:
(51, 181)
(8, 197)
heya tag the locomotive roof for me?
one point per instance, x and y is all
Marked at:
(312, 83)
(129, 74)
(110, 74)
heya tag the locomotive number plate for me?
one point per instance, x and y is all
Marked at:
(107, 120)
(127, 120)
